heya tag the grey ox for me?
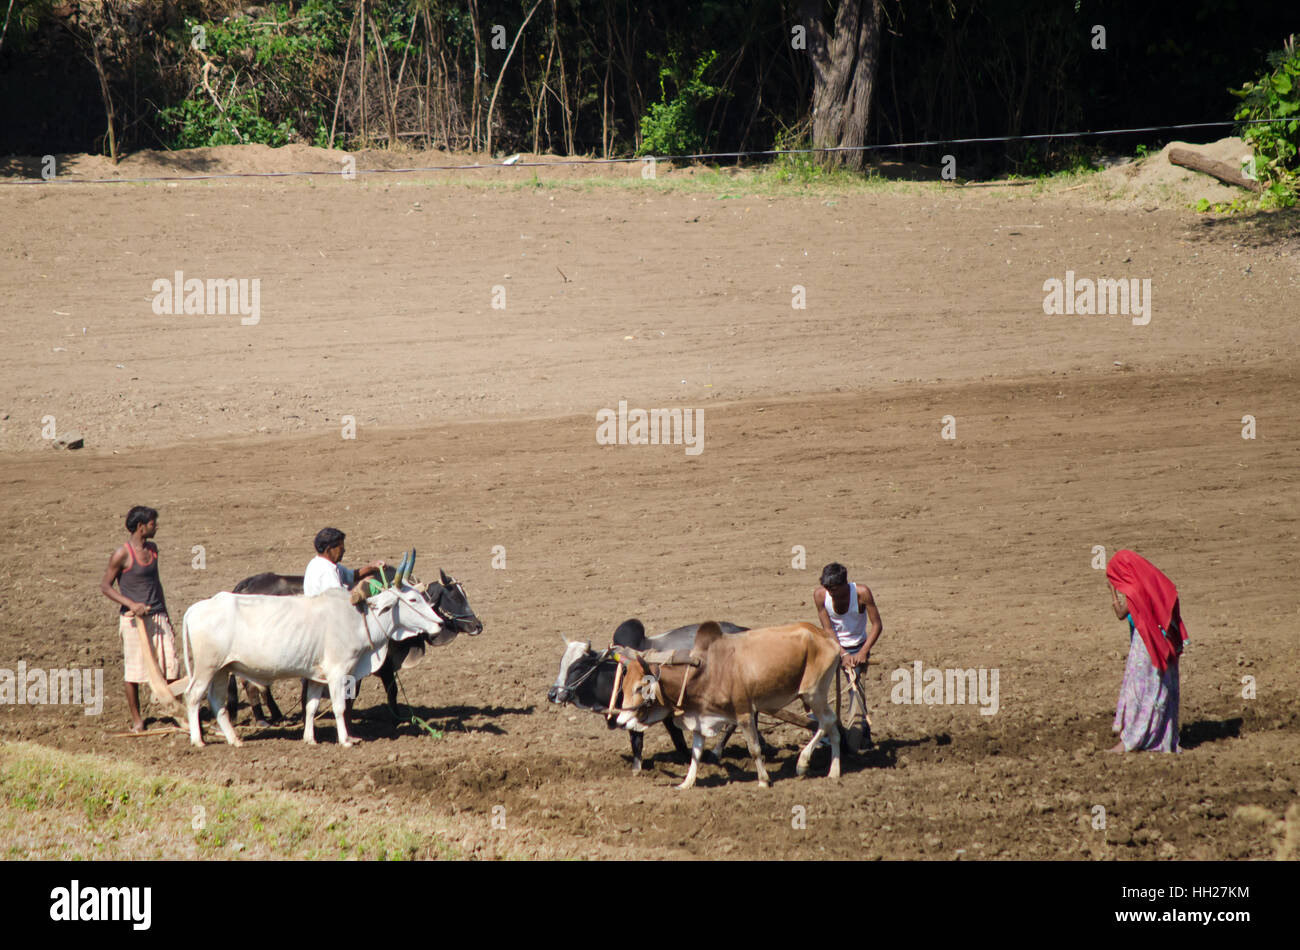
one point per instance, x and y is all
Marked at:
(327, 640)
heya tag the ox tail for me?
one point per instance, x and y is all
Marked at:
(185, 645)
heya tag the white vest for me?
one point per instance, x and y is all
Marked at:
(851, 626)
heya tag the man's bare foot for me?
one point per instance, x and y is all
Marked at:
(137, 726)
(1117, 747)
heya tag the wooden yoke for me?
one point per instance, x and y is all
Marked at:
(667, 658)
(685, 658)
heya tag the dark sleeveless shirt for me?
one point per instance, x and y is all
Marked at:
(139, 582)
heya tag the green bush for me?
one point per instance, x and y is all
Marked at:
(671, 126)
(1275, 95)
(199, 124)
(268, 77)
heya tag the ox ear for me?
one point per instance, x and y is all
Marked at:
(413, 656)
(447, 580)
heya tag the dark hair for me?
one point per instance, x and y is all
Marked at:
(834, 574)
(140, 514)
(326, 538)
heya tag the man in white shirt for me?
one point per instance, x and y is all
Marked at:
(845, 610)
(324, 570)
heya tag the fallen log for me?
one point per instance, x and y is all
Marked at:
(1223, 171)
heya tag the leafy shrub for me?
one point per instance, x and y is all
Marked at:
(671, 126)
(1275, 95)
(268, 76)
(199, 123)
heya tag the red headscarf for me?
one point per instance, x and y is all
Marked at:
(1152, 603)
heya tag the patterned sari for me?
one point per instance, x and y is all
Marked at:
(1146, 717)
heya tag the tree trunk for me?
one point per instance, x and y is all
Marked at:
(361, 48)
(347, 51)
(474, 109)
(497, 88)
(844, 73)
(108, 98)
(385, 72)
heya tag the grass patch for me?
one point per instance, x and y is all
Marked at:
(66, 806)
(784, 177)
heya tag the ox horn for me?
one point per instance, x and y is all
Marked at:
(410, 566)
(402, 568)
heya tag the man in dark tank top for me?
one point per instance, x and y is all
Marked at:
(139, 594)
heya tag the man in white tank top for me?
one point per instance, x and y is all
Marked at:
(844, 610)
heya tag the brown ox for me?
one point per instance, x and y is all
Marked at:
(730, 680)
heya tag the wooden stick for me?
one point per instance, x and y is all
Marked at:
(613, 697)
(164, 731)
(682, 695)
(793, 719)
(157, 682)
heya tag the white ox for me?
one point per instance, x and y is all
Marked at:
(325, 640)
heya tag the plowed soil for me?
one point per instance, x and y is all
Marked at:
(475, 442)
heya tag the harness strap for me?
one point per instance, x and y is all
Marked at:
(587, 675)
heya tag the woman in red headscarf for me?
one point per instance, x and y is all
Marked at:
(1147, 714)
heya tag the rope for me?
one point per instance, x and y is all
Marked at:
(696, 156)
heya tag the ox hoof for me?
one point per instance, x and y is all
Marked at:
(347, 745)
(684, 786)
(310, 741)
(197, 745)
(764, 783)
(261, 724)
